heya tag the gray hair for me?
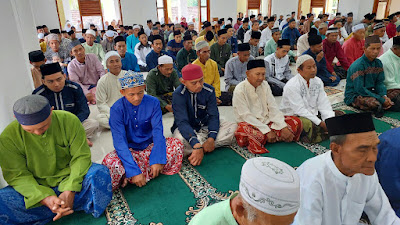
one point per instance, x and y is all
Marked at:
(338, 139)
(250, 210)
(322, 25)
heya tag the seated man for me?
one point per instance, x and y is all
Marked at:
(47, 163)
(235, 69)
(66, 95)
(388, 45)
(221, 51)
(304, 96)
(255, 49)
(92, 47)
(264, 183)
(133, 39)
(108, 42)
(277, 67)
(141, 151)
(152, 57)
(196, 116)
(266, 34)
(175, 45)
(316, 52)
(302, 42)
(208, 37)
(187, 54)
(86, 70)
(258, 115)
(291, 33)
(365, 88)
(255, 27)
(339, 185)
(232, 40)
(162, 81)
(209, 68)
(380, 30)
(128, 60)
(142, 49)
(354, 47)
(54, 48)
(108, 87)
(36, 59)
(332, 49)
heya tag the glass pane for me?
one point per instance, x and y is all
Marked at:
(160, 13)
(96, 20)
(111, 13)
(203, 2)
(203, 14)
(160, 3)
(191, 3)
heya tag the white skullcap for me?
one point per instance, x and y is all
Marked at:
(110, 33)
(92, 32)
(201, 44)
(40, 35)
(228, 22)
(270, 186)
(190, 23)
(165, 60)
(136, 27)
(357, 27)
(302, 59)
(109, 54)
(52, 37)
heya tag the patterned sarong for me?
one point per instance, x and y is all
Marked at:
(366, 103)
(142, 158)
(251, 137)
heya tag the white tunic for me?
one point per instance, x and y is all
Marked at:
(107, 91)
(330, 198)
(388, 45)
(257, 107)
(302, 44)
(266, 35)
(300, 100)
(247, 36)
(142, 53)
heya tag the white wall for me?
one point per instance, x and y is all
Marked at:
(358, 7)
(395, 6)
(223, 9)
(138, 11)
(241, 7)
(44, 12)
(284, 7)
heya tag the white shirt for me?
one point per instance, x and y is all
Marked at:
(257, 107)
(266, 35)
(388, 45)
(302, 44)
(300, 100)
(107, 91)
(142, 53)
(247, 36)
(147, 31)
(328, 197)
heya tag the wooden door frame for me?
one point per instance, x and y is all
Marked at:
(269, 8)
(387, 10)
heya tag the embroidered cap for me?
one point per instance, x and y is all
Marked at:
(270, 186)
(131, 79)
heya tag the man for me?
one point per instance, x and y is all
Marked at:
(175, 45)
(322, 30)
(258, 116)
(379, 30)
(154, 31)
(108, 42)
(72, 35)
(349, 23)
(36, 59)
(285, 22)
(255, 49)
(266, 34)
(91, 47)
(177, 27)
(332, 49)
(54, 48)
(365, 88)
(339, 185)
(149, 27)
(342, 33)
(141, 151)
(191, 31)
(162, 81)
(309, 23)
(221, 51)
(255, 27)
(304, 96)
(209, 68)
(206, 27)
(66, 95)
(391, 27)
(271, 45)
(209, 38)
(291, 33)
(243, 30)
(108, 87)
(237, 24)
(85, 70)
(388, 45)
(47, 163)
(142, 49)
(316, 52)
(45, 30)
(39, 29)
(133, 39)
(277, 68)
(128, 60)
(243, 207)
(196, 116)
(235, 69)
(391, 68)
(152, 57)
(354, 47)
(187, 54)
(232, 40)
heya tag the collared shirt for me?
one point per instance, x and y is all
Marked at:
(247, 35)
(192, 111)
(131, 42)
(152, 59)
(391, 67)
(353, 49)
(32, 164)
(141, 52)
(95, 49)
(220, 54)
(322, 71)
(130, 62)
(173, 48)
(254, 50)
(184, 57)
(235, 71)
(86, 74)
(240, 34)
(158, 85)
(302, 44)
(108, 91)
(348, 26)
(211, 74)
(107, 45)
(233, 43)
(266, 35)
(332, 50)
(291, 34)
(136, 127)
(277, 70)
(300, 99)
(257, 107)
(329, 197)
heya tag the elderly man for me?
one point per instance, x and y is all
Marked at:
(133, 39)
(291, 33)
(258, 180)
(187, 54)
(92, 47)
(258, 116)
(66, 95)
(365, 88)
(235, 70)
(221, 51)
(108, 42)
(141, 150)
(142, 49)
(316, 52)
(47, 163)
(277, 67)
(332, 49)
(323, 27)
(162, 81)
(196, 116)
(304, 96)
(354, 47)
(54, 48)
(152, 57)
(339, 185)
(266, 34)
(129, 60)
(86, 70)
(108, 87)
(36, 59)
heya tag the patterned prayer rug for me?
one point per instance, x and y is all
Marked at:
(331, 91)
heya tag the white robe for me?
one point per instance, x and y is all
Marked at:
(302, 44)
(266, 35)
(300, 100)
(330, 198)
(247, 36)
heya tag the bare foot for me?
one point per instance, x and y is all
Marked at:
(89, 142)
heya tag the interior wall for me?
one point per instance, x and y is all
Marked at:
(241, 6)
(264, 7)
(305, 7)
(358, 7)
(44, 12)
(285, 7)
(138, 11)
(223, 9)
(394, 6)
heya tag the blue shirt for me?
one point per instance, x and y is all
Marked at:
(291, 34)
(129, 62)
(152, 59)
(70, 99)
(192, 111)
(173, 48)
(322, 71)
(131, 42)
(137, 127)
(234, 44)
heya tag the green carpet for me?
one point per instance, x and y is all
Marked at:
(170, 200)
